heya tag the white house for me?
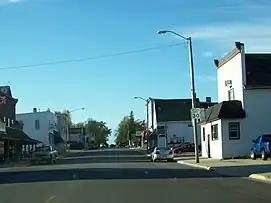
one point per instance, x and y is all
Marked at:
(243, 112)
(42, 126)
(170, 120)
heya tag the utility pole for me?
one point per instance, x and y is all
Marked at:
(192, 81)
(194, 98)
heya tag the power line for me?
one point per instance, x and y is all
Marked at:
(90, 58)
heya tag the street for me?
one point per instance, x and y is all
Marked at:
(121, 176)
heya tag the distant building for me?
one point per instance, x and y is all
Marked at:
(77, 135)
(171, 119)
(62, 126)
(42, 126)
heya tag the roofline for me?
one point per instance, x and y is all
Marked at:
(230, 55)
(19, 114)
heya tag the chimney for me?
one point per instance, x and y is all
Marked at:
(208, 99)
(34, 110)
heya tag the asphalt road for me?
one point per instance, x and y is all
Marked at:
(121, 176)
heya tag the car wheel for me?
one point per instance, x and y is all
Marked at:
(252, 155)
(264, 155)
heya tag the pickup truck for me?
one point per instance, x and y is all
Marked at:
(261, 147)
(44, 154)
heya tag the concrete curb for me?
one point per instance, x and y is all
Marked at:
(205, 167)
(260, 177)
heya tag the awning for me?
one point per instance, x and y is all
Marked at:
(18, 135)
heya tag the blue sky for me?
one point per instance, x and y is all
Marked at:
(37, 31)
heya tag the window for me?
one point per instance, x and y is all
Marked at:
(215, 132)
(203, 134)
(37, 124)
(231, 94)
(234, 131)
(8, 122)
(4, 119)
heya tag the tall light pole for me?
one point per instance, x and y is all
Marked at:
(192, 83)
(68, 137)
(147, 115)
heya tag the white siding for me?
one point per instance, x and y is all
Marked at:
(181, 129)
(258, 111)
(151, 114)
(234, 148)
(233, 71)
(215, 145)
(44, 118)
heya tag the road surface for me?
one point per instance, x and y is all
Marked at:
(121, 176)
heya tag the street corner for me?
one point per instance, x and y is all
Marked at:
(197, 165)
(261, 177)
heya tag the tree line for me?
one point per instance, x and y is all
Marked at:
(99, 129)
(127, 129)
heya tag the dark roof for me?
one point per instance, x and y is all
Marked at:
(19, 135)
(258, 70)
(227, 109)
(175, 109)
(6, 91)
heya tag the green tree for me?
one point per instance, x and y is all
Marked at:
(78, 125)
(67, 116)
(127, 129)
(99, 131)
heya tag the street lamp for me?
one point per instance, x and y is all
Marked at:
(192, 83)
(77, 110)
(68, 137)
(147, 113)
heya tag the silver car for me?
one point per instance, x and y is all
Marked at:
(162, 153)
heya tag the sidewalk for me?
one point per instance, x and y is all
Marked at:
(254, 169)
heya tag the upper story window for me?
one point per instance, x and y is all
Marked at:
(231, 94)
(37, 124)
(8, 122)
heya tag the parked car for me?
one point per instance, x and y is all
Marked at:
(185, 147)
(261, 147)
(44, 154)
(178, 145)
(162, 153)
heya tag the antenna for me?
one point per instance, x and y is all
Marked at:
(9, 83)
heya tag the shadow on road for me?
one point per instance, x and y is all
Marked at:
(102, 174)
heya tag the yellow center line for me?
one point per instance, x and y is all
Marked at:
(50, 199)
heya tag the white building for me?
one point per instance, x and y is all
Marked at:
(171, 119)
(42, 126)
(244, 96)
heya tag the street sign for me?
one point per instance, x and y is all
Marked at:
(198, 113)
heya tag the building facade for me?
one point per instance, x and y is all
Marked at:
(12, 136)
(244, 86)
(169, 120)
(42, 126)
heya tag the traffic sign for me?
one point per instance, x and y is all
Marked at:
(198, 113)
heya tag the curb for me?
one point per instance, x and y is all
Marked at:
(260, 177)
(205, 167)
